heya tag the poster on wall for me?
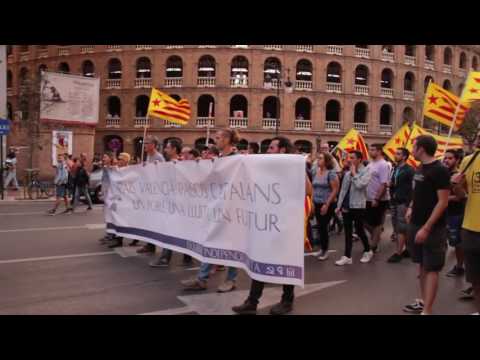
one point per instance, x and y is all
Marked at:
(69, 98)
(62, 143)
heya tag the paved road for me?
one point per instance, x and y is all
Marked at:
(55, 265)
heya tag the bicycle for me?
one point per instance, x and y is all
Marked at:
(37, 189)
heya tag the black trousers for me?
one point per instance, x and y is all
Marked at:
(323, 222)
(256, 290)
(354, 216)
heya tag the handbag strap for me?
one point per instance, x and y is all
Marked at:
(470, 163)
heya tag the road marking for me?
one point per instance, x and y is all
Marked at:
(45, 258)
(79, 227)
(221, 304)
(175, 311)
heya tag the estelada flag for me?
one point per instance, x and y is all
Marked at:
(472, 87)
(398, 140)
(353, 141)
(440, 105)
(454, 143)
(165, 107)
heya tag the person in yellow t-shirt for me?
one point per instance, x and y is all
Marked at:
(467, 183)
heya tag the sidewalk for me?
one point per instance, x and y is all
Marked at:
(18, 196)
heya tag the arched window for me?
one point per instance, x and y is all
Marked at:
(303, 146)
(303, 109)
(361, 75)
(23, 76)
(427, 80)
(206, 66)
(430, 52)
(409, 82)
(386, 115)
(114, 69)
(447, 85)
(203, 105)
(463, 61)
(114, 106)
(242, 144)
(24, 107)
(271, 106)
(176, 97)
(88, 69)
(410, 50)
(138, 147)
(239, 106)
(174, 67)
(334, 72)
(460, 88)
(63, 67)
(9, 111)
(387, 79)
(387, 48)
(447, 56)
(144, 68)
(271, 69)
(408, 115)
(9, 79)
(239, 71)
(141, 106)
(304, 70)
(332, 111)
(475, 63)
(200, 142)
(360, 113)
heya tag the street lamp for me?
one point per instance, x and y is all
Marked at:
(275, 66)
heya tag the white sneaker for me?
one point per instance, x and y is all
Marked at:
(323, 256)
(344, 261)
(366, 257)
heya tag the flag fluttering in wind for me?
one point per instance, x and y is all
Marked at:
(165, 107)
(398, 140)
(440, 105)
(352, 141)
(472, 87)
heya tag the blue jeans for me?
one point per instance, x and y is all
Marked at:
(205, 268)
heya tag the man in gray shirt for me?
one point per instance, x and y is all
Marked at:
(152, 155)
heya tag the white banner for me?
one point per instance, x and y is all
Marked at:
(62, 143)
(240, 211)
(69, 98)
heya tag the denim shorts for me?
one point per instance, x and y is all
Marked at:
(454, 227)
(61, 190)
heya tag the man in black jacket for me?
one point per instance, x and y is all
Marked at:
(81, 187)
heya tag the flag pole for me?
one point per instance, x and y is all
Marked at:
(454, 121)
(210, 111)
(144, 136)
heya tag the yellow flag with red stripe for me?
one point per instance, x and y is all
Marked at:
(398, 140)
(472, 87)
(165, 107)
(352, 141)
(454, 143)
(440, 105)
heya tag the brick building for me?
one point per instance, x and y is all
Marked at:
(314, 90)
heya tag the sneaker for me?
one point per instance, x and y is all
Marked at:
(323, 255)
(194, 284)
(395, 258)
(281, 308)
(456, 271)
(344, 261)
(159, 262)
(51, 212)
(366, 257)
(227, 286)
(89, 208)
(467, 294)
(405, 254)
(69, 211)
(355, 237)
(247, 308)
(414, 308)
